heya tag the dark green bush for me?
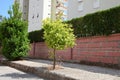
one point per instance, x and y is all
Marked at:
(36, 36)
(14, 35)
(100, 23)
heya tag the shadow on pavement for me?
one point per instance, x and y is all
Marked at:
(18, 75)
(94, 69)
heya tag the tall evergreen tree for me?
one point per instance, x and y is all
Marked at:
(14, 35)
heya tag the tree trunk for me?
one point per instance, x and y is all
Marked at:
(54, 59)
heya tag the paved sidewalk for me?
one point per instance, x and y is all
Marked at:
(69, 71)
(8, 73)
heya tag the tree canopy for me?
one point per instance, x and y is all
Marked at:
(58, 35)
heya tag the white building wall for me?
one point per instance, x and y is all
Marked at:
(35, 15)
(34, 11)
(78, 8)
(46, 9)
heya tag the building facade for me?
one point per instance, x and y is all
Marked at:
(61, 9)
(35, 11)
(78, 8)
(38, 10)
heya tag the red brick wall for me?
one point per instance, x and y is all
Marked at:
(39, 50)
(64, 54)
(105, 49)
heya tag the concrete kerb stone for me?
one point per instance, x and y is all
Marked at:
(37, 71)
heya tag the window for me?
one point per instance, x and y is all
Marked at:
(49, 5)
(96, 4)
(80, 0)
(37, 15)
(33, 17)
(25, 6)
(80, 7)
(48, 13)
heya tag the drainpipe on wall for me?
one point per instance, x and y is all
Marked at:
(34, 49)
(71, 53)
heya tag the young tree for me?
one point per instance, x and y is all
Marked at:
(14, 35)
(58, 35)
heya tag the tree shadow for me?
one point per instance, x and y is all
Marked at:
(1, 64)
(94, 69)
(20, 75)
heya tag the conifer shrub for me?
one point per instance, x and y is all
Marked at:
(14, 35)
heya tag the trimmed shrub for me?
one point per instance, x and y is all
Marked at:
(100, 23)
(36, 36)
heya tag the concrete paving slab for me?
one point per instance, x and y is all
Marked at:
(69, 71)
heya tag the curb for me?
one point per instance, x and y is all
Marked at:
(40, 72)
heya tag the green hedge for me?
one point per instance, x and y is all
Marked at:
(100, 23)
(36, 36)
